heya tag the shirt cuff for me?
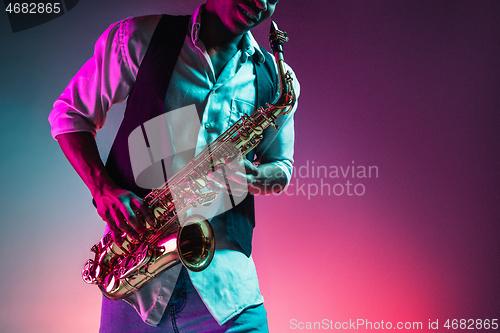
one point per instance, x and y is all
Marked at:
(69, 122)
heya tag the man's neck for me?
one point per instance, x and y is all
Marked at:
(214, 35)
(220, 43)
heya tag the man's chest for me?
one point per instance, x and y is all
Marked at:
(217, 98)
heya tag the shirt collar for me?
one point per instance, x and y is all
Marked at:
(249, 45)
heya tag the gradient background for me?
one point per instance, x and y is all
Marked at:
(411, 87)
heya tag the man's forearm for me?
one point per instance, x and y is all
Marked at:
(81, 151)
(115, 205)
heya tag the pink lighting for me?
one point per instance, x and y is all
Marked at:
(409, 87)
(169, 245)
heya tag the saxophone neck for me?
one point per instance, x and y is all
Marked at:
(286, 99)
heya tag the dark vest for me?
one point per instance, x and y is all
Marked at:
(146, 101)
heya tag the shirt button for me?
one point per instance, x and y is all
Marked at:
(160, 297)
(207, 125)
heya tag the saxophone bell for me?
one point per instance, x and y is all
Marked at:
(191, 243)
(196, 243)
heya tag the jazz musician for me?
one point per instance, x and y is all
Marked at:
(220, 69)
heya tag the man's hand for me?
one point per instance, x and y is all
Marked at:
(241, 175)
(233, 177)
(118, 208)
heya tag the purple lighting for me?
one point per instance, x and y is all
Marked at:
(406, 89)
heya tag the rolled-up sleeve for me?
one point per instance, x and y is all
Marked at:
(105, 79)
(277, 147)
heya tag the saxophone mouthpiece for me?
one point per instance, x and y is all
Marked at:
(276, 38)
(274, 28)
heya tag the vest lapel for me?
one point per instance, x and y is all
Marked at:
(147, 98)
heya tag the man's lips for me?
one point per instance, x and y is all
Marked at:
(249, 13)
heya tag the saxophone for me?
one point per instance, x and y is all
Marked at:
(120, 271)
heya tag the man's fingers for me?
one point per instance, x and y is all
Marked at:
(250, 168)
(224, 173)
(116, 233)
(131, 219)
(214, 185)
(229, 180)
(124, 226)
(144, 210)
(124, 212)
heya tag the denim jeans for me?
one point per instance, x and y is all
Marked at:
(186, 313)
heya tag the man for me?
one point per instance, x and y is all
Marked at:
(217, 70)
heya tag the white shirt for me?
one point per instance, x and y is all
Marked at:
(229, 284)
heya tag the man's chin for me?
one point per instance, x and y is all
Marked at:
(242, 28)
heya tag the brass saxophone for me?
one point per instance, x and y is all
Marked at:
(120, 271)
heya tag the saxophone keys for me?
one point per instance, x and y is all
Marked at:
(129, 240)
(207, 199)
(111, 283)
(159, 212)
(133, 262)
(126, 246)
(258, 130)
(88, 272)
(244, 135)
